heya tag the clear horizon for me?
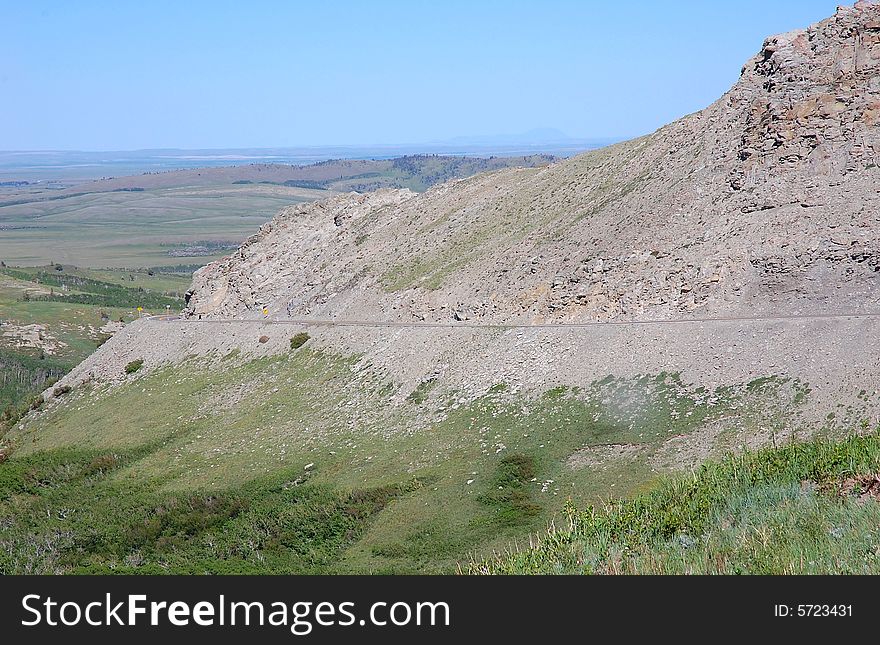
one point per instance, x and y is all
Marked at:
(209, 76)
(359, 146)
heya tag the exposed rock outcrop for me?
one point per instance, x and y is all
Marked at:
(280, 267)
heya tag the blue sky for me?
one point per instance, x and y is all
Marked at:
(130, 75)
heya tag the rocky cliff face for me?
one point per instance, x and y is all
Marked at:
(765, 202)
(810, 101)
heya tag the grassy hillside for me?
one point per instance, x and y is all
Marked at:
(303, 463)
(50, 320)
(804, 508)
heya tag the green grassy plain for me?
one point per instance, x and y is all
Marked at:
(138, 229)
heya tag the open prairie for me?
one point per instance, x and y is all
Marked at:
(140, 228)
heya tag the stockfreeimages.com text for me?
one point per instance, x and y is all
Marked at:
(300, 617)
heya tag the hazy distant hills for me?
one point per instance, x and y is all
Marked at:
(151, 219)
(77, 166)
(416, 172)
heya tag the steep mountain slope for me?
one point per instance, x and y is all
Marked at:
(766, 201)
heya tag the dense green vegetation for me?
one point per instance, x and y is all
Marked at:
(64, 511)
(801, 508)
(22, 376)
(78, 289)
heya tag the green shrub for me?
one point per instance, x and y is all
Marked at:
(100, 465)
(11, 414)
(299, 340)
(514, 470)
(420, 394)
(134, 366)
(508, 492)
(62, 390)
(37, 403)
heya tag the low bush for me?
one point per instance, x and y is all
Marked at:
(134, 366)
(11, 413)
(509, 493)
(420, 394)
(299, 340)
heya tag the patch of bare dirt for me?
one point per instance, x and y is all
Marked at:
(29, 288)
(602, 456)
(863, 488)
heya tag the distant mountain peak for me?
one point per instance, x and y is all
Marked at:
(536, 136)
